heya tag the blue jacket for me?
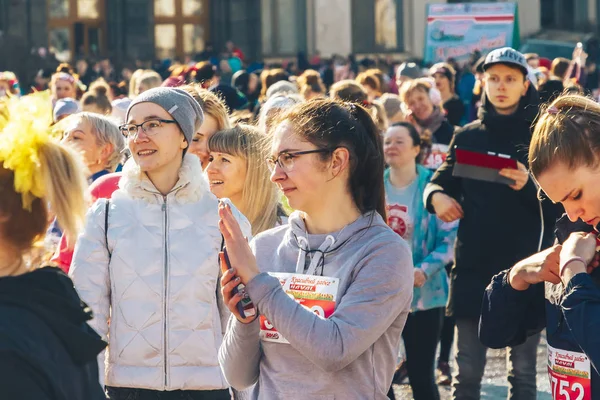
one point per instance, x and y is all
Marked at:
(432, 248)
(572, 322)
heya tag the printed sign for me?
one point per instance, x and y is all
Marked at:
(569, 374)
(457, 30)
(316, 293)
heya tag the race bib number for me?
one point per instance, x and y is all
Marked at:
(569, 374)
(436, 156)
(316, 293)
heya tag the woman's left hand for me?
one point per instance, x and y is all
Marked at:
(582, 245)
(238, 250)
(519, 175)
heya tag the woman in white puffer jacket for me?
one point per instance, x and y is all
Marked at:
(148, 261)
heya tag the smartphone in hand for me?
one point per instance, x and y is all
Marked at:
(245, 307)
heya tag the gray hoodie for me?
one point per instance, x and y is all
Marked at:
(350, 355)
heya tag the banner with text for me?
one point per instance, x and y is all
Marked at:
(457, 30)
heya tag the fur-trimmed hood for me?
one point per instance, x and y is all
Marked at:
(190, 187)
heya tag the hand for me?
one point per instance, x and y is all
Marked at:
(420, 278)
(579, 244)
(446, 208)
(540, 267)
(238, 250)
(519, 175)
(229, 281)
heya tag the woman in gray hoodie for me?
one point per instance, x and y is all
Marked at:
(334, 286)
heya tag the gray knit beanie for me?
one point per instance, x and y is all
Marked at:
(181, 105)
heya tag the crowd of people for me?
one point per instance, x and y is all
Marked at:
(341, 195)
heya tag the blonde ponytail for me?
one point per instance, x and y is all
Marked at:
(65, 182)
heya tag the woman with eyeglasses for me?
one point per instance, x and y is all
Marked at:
(148, 261)
(333, 287)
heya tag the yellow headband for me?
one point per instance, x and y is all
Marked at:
(24, 128)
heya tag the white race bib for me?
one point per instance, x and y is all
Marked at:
(569, 373)
(316, 293)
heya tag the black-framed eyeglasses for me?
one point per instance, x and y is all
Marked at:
(150, 127)
(285, 159)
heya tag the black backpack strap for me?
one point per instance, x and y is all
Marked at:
(106, 208)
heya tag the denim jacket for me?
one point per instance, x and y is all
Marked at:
(432, 248)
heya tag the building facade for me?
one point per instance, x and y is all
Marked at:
(155, 29)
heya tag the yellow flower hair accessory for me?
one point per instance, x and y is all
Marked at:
(24, 128)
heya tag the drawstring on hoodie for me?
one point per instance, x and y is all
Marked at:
(318, 260)
(325, 248)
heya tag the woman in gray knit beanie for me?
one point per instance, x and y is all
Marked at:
(147, 260)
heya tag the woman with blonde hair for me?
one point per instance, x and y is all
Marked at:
(101, 144)
(311, 85)
(48, 349)
(238, 171)
(424, 103)
(148, 80)
(133, 82)
(215, 119)
(98, 139)
(559, 288)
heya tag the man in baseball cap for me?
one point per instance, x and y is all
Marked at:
(509, 106)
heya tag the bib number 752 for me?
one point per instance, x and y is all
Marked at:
(565, 390)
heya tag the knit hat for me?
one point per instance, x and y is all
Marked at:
(65, 107)
(282, 87)
(180, 104)
(391, 104)
(408, 70)
(508, 56)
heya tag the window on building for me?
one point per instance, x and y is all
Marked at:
(76, 28)
(283, 24)
(565, 14)
(181, 27)
(377, 26)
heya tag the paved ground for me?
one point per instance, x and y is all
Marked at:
(494, 382)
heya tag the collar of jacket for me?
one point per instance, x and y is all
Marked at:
(190, 187)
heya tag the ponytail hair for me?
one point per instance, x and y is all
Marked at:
(330, 124)
(98, 96)
(63, 172)
(64, 182)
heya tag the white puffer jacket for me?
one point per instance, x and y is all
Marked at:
(159, 287)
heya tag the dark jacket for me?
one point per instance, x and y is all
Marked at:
(572, 321)
(455, 110)
(47, 349)
(444, 133)
(500, 226)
